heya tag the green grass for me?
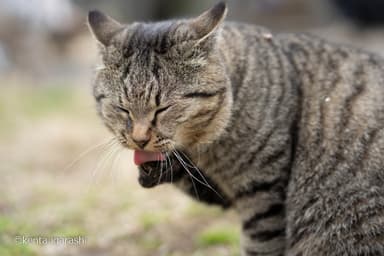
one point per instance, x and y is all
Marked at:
(47, 100)
(8, 245)
(5, 223)
(149, 220)
(9, 227)
(16, 250)
(149, 242)
(196, 209)
(219, 236)
(69, 231)
(21, 105)
(36, 101)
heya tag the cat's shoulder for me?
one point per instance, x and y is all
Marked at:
(298, 41)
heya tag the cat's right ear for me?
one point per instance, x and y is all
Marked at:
(207, 23)
(103, 27)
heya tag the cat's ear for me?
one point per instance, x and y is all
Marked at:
(207, 23)
(103, 27)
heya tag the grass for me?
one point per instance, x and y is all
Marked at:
(69, 231)
(9, 229)
(149, 220)
(5, 223)
(223, 235)
(35, 102)
(19, 105)
(44, 101)
(149, 242)
(16, 250)
(196, 209)
(12, 226)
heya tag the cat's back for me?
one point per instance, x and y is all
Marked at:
(338, 171)
(341, 93)
(339, 89)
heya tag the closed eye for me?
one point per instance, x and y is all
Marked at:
(159, 111)
(122, 109)
(204, 94)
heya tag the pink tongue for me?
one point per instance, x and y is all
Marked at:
(141, 157)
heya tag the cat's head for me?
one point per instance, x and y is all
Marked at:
(162, 85)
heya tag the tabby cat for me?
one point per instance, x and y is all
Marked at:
(287, 129)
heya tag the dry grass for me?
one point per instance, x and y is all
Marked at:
(42, 130)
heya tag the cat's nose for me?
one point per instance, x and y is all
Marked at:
(141, 143)
(141, 135)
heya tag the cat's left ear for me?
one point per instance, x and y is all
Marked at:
(208, 22)
(103, 27)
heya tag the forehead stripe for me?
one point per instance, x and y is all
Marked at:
(203, 94)
(100, 97)
(125, 88)
(149, 93)
(158, 97)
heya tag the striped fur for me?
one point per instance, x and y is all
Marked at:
(287, 129)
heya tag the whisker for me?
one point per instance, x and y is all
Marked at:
(87, 152)
(166, 168)
(190, 175)
(102, 161)
(157, 164)
(195, 167)
(195, 189)
(186, 168)
(198, 153)
(161, 172)
(183, 163)
(116, 157)
(170, 164)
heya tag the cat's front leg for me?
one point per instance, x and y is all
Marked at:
(262, 211)
(259, 237)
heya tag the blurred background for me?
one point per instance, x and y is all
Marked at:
(60, 175)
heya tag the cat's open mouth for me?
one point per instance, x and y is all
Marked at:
(154, 169)
(141, 157)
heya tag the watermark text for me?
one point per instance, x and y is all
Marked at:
(53, 240)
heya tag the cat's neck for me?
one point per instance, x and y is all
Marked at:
(265, 102)
(239, 53)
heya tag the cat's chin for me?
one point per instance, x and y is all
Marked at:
(149, 174)
(155, 173)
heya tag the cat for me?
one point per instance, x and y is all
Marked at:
(287, 129)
